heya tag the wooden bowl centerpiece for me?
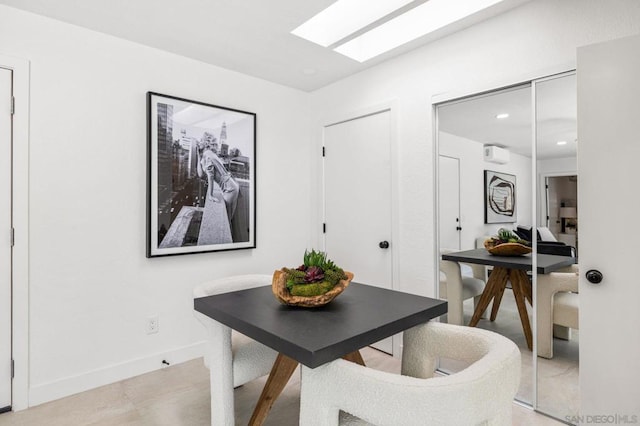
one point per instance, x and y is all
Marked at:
(315, 283)
(506, 243)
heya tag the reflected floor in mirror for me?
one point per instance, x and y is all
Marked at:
(179, 396)
(558, 387)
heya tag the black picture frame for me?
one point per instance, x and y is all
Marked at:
(201, 177)
(499, 197)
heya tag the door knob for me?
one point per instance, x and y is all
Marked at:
(594, 276)
(384, 244)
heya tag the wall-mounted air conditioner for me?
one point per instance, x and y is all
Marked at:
(495, 154)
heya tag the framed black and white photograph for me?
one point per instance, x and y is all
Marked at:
(201, 185)
(499, 197)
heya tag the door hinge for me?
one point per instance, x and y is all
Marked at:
(324, 228)
(13, 105)
(13, 237)
(13, 369)
(323, 151)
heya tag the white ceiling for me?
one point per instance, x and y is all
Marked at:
(249, 36)
(556, 113)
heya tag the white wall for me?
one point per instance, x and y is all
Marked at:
(534, 40)
(472, 167)
(560, 166)
(91, 287)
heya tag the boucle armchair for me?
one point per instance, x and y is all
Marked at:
(233, 358)
(479, 394)
(456, 288)
(557, 304)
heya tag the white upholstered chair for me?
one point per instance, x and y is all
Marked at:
(479, 394)
(233, 359)
(457, 288)
(556, 307)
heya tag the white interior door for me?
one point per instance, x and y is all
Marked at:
(449, 202)
(609, 206)
(357, 179)
(5, 237)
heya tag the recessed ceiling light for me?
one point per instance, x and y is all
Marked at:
(502, 115)
(344, 18)
(561, 142)
(423, 19)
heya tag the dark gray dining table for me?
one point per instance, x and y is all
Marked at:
(358, 317)
(505, 269)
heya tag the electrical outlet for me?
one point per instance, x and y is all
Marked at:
(153, 325)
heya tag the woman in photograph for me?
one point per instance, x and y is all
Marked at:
(211, 164)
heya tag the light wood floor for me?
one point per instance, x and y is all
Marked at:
(179, 396)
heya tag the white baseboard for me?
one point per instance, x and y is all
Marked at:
(46, 392)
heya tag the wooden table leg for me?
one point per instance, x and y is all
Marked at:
(354, 357)
(528, 288)
(496, 302)
(497, 280)
(494, 289)
(280, 374)
(519, 281)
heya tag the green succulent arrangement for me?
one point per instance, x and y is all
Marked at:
(317, 275)
(506, 236)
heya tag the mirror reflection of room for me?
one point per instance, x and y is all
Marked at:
(491, 135)
(483, 140)
(557, 298)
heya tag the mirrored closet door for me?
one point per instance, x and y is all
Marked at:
(489, 136)
(557, 296)
(514, 152)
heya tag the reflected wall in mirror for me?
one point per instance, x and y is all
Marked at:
(489, 132)
(557, 293)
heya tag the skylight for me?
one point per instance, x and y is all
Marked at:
(417, 22)
(344, 18)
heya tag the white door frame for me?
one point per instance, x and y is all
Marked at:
(391, 107)
(20, 263)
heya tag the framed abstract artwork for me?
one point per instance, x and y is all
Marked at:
(499, 197)
(201, 177)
